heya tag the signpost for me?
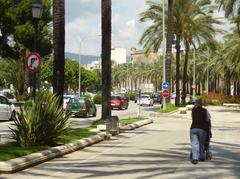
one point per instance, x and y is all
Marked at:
(33, 63)
(165, 93)
(165, 85)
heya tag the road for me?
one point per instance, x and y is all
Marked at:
(159, 150)
(77, 122)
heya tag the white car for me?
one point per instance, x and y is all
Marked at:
(7, 109)
(145, 100)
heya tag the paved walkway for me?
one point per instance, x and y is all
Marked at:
(159, 150)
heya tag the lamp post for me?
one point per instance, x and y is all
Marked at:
(194, 72)
(37, 9)
(163, 39)
(79, 61)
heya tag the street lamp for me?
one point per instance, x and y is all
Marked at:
(37, 9)
(164, 70)
(79, 61)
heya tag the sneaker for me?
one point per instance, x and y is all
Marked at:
(194, 162)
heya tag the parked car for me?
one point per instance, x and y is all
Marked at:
(145, 100)
(119, 102)
(7, 109)
(82, 106)
(157, 97)
(7, 93)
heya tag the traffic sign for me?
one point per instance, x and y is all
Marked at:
(193, 86)
(33, 62)
(165, 93)
(165, 85)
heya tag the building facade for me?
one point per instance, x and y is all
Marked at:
(140, 56)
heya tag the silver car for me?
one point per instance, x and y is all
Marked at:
(7, 109)
(145, 100)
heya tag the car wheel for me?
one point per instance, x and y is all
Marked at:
(95, 114)
(13, 115)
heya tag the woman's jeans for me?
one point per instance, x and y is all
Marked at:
(198, 138)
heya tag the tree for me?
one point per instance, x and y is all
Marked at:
(106, 58)
(232, 10)
(169, 42)
(198, 27)
(12, 72)
(17, 33)
(58, 45)
(17, 29)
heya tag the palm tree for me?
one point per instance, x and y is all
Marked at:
(192, 21)
(197, 27)
(106, 58)
(232, 9)
(58, 45)
(169, 42)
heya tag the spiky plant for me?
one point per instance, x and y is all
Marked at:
(41, 122)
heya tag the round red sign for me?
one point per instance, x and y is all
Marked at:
(33, 62)
(165, 93)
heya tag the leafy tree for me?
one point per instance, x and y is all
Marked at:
(12, 72)
(71, 72)
(17, 28)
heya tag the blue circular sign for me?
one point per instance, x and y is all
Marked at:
(165, 85)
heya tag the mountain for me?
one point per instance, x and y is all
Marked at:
(85, 59)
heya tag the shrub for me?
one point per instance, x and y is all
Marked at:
(218, 99)
(41, 122)
(87, 95)
(131, 96)
(97, 99)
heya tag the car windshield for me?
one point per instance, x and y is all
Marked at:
(144, 97)
(115, 98)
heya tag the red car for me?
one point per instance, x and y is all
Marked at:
(119, 102)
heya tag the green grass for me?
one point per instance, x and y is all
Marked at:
(169, 108)
(11, 150)
(131, 120)
(76, 134)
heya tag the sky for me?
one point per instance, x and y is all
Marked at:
(83, 25)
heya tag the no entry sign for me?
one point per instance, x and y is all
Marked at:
(165, 93)
(33, 62)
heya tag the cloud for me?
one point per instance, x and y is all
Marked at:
(83, 19)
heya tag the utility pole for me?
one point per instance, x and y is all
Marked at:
(164, 60)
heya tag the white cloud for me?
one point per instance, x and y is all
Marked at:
(83, 19)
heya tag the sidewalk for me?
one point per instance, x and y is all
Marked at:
(159, 150)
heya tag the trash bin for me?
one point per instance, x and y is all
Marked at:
(113, 125)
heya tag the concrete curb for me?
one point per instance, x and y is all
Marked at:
(157, 114)
(23, 162)
(136, 125)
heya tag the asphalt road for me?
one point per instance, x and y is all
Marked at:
(76, 122)
(159, 150)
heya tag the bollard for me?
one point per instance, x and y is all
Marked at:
(112, 125)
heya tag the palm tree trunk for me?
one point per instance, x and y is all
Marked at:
(177, 99)
(58, 45)
(184, 90)
(169, 42)
(106, 58)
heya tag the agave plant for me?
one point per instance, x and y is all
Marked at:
(41, 122)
